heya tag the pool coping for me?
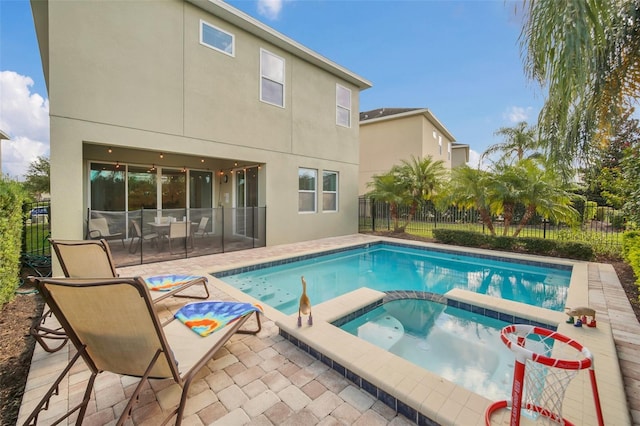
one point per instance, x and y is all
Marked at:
(434, 399)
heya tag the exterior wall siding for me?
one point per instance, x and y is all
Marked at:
(134, 76)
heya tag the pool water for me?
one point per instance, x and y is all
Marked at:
(460, 346)
(387, 267)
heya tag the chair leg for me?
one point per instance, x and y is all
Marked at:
(40, 333)
(54, 390)
(126, 413)
(256, 331)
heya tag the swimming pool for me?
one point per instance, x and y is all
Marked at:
(456, 344)
(387, 267)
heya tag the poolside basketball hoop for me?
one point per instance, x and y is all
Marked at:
(539, 381)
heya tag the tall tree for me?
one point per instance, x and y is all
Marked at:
(422, 178)
(586, 54)
(389, 188)
(518, 140)
(467, 189)
(37, 177)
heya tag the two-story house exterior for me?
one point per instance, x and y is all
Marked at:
(193, 104)
(390, 135)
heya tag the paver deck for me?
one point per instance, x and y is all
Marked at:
(264, 379)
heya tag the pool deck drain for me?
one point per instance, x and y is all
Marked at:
(265, 379)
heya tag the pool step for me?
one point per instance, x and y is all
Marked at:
(283, 300)
(263, 292)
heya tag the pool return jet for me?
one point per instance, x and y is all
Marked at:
(305, 305)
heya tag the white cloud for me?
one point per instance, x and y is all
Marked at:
(24, 116)
(517, 114)
(474, 160)
(270, 8)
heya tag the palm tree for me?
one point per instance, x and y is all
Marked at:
(542, 192)
(504, 189)
(389, 188)
(423, 178)
(586, 54)
(518, 140)
(467, 189)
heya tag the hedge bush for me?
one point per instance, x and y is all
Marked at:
(631, 251)
(11, 198)
(567, 249)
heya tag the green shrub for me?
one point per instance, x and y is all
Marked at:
(11, 198)
(574, 250)
(501, 242)
(538, 245)
(461, 238)
(568, 249)
(601, 213)
(631, 250)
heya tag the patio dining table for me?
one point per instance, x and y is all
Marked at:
(162, 229)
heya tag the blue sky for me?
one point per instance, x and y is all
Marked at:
(460, 59)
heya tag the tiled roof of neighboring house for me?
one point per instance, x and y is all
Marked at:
(382, 114)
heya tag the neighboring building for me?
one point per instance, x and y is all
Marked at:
(390, 135)
(195, 105)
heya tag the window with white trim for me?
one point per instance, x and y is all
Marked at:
(449, 151)
(329, 191)
(217, 39)
(271, 78)
(307, 179)
(440, 144)
(343, 106)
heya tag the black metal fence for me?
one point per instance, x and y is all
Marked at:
(600, 225)
(36, 251)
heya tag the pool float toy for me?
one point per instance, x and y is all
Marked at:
(305, 305)
(583, 313)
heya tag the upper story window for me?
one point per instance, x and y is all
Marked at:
(449, 151)
(329, 191)
(343, 106)
(271, 78)
(307, 179)
(217, 39)
(440, 144)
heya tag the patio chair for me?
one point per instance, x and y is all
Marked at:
(137, 233)
(98, 228)
(114, 327)
(92, 259)
(202, 227)
(180, 231)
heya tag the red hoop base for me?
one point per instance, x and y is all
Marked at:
(499, 405)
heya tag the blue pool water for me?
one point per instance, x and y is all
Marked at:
(460, 346)
(386, 267)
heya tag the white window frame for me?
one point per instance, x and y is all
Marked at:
(340, 107)
(282, 83)
(210, 46)
(440, 144)
(449, 150)
(308, 191)
(327, 172)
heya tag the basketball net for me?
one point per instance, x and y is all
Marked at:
(539, 381)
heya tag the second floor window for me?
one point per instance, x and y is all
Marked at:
(271, 78)
(217, 39)
(343, 106)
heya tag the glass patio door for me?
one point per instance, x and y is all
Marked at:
(246, 188)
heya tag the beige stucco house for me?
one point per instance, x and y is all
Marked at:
(390, 135)
(195, 106)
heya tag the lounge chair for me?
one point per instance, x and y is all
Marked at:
(114, 327)
(137, 233)
(98, 228)
(202, 227)
(92, 259)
